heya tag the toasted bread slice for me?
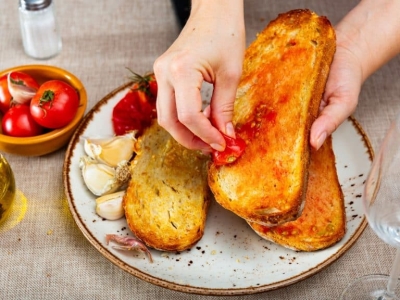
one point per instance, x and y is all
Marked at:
(167, 199)
(284, 75)
(323, 221)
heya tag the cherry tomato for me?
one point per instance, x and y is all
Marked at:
(5, 96)
(233, 150)
(18, 122)
(55, 104)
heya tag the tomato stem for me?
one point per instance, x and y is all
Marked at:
(48, 96)
(141, 81)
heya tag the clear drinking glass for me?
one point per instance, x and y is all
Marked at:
(7, 188)
(381, 200)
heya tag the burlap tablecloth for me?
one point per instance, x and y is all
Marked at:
(45, 255)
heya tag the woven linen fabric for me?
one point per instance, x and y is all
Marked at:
(43, 255)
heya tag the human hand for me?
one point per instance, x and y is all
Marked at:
(367, 38)
(340, 97)
(210, 48)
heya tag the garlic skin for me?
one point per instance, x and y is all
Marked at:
(99, 178)
(110, 206)
(19, 93)
(111, 151)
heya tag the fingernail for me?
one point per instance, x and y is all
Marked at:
(230, 130)
(321, 139)
(217, 147)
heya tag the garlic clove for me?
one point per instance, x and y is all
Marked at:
(99, 178)
(19, 93)
(110, 206)
(111, 151)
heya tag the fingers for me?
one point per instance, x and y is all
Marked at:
(189, 112)
(199, 54)
(179, 110)
(222, 101)
(340, 97)
(334, 114)
(168, 118)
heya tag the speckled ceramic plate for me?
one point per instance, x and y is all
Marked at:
(230, 259)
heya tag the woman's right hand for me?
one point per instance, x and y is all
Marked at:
(210, 48)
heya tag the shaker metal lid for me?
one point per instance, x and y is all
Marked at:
(34, 4)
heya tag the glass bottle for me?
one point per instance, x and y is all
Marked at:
(7, 188)
(40, 36)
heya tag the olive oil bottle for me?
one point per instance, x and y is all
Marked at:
(7, 188)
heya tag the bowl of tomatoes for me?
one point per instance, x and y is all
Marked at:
(40, 108)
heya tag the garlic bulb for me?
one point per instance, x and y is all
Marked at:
(111, 151)
(99, 178)
(110, 206)
(123, 172)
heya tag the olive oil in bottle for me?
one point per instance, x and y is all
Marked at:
(7, 188)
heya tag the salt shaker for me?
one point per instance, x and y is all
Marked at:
(40, 36)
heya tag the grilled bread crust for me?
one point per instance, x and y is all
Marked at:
(168, 197)
(323, 221)
(284, 74)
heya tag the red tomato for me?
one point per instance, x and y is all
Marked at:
(233, 150)
(153, 88)
(55, 104)
(146, 86)
(130, 114)
(5, 96)
(136, 110)
(18, 122)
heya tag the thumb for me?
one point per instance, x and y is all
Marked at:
(222, 103)
(328, 121)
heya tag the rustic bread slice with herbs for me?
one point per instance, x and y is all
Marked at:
(284, 74)
(167, 199)
(323, 220)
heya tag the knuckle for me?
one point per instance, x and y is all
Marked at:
(186, 118)
(233, 74)
(227, 109)
(191, 145)
(158, 65)
(179, 63)
(163, 122)
(172, 64)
